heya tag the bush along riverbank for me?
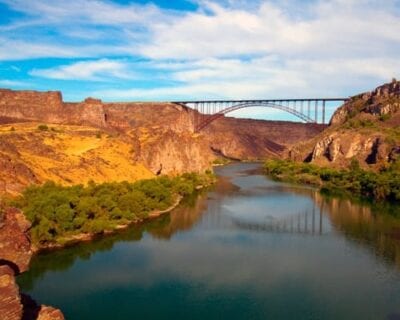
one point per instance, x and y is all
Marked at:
(63, 215)
(355, 181)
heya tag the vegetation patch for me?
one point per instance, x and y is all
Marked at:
(221, 161)
(43, 127)
(382, 186)
(60, 213)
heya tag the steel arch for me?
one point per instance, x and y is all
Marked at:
(243, 105)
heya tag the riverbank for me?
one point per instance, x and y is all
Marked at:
(354, 181)
(62, 216)
(84, 237)
(210, 252)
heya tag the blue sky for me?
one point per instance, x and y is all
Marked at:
(198, 49)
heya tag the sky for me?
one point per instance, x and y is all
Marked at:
(167, 50)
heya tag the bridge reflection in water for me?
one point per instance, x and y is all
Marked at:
(306, 222)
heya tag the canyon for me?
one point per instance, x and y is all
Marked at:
(98, 141)
(44, 138)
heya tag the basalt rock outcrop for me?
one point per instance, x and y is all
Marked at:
(15, 255)
(365, 128)
(384, 100)
(48, 107)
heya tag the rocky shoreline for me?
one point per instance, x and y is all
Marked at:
(15, 255)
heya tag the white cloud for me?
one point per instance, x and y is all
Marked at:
(97, 70)
(333, 29)
(225, 49)
(85, 11)
(19, 50)
(13, 83)
(265, 77)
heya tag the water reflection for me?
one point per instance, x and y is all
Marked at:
(181, 219)
(249, 248)
(307, 222)
(376, 228)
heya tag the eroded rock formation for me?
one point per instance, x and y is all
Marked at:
(15, 255)
(383, 100)
(365, 128)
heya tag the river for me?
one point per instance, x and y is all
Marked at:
(250, 248)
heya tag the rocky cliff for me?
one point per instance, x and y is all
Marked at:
(93, 140)
(366, 128)
(15, 254)
(384, 100)
(48, 107)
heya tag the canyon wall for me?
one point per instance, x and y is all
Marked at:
(31, 105)
(160, 134)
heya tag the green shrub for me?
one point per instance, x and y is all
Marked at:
(43, 127)
(385, 117)
(57, 211)
(384, 185)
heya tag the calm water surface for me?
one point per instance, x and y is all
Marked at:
(249, 249)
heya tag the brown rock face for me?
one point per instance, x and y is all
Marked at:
(47, 106)
(15, 246)
(247, 139)
(33, 311)
(173, 153)
(15, 254)
(382, 101)
(10, 301)
(161, 135)
(365, 128)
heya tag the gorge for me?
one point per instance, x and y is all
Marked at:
(97, 144)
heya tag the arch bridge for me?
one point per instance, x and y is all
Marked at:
(311, 110)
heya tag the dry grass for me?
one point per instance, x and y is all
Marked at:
(72, 154)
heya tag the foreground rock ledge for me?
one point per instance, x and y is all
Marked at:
(15, 254)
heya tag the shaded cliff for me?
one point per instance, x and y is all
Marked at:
(249, 139)
(15, 255)
(366, 128)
